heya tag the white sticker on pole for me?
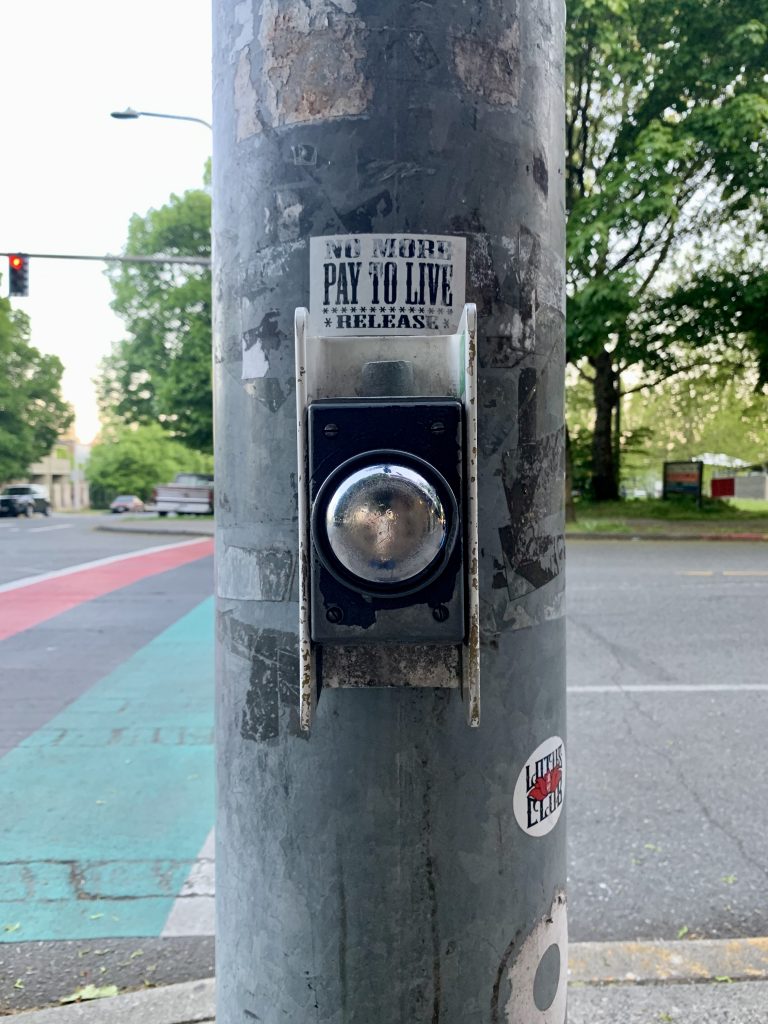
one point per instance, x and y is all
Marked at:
(386, 284)
(540, 789)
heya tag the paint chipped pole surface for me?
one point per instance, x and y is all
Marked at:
(396, 867)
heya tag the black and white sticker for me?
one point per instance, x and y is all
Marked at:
(540, 788)
(386, 284)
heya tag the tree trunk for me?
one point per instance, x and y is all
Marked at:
(604, 475)
(617, 429)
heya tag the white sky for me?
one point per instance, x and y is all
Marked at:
(71, 176)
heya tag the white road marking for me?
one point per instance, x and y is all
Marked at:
(44, 529)
(673, 688)
(28, 580)
(193, 911)
(725, 572)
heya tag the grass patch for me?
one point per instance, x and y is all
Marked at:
(753, 506)
(587, 525)
(673, 509)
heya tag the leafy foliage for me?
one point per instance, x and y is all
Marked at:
(727, 303)
(712, 408)
(133, 461)
(161, 372)
(667, 167)
(32, 410)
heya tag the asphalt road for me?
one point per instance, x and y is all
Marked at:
(106, 757)
(106, 869)
(668, 709)
(44, 544)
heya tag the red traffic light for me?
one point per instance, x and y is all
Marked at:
(18, 274)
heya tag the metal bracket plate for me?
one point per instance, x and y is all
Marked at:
(445, 366)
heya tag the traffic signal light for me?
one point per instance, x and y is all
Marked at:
(18, 267)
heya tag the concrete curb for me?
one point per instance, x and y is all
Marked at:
(645, 963)
(592, 965)
(191, 1002)
(162, 531)
(572, 535)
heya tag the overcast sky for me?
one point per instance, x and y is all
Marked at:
(71, 176)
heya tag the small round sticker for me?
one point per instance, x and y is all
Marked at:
(540, 788)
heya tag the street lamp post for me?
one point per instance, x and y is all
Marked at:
(129, 114)
(393, 865)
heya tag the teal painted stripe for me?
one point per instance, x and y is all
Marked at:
(103, 811)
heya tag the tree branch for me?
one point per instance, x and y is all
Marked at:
(666, 376)
(629, 255)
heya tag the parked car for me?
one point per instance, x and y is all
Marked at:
(189, 494)
(24, 500)
(127, 503)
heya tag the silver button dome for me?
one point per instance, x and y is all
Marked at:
(385, 523)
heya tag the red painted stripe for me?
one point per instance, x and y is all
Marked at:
(34, 603)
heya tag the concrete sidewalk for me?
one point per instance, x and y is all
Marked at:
(694, 982)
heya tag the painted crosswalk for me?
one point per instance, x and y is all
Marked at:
(105, 811)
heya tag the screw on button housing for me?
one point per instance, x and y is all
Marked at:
(441, 613)
(334, 615)
(331, 429)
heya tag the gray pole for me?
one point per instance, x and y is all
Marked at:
(397, 867)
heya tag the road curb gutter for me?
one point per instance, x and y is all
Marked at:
(190, 1002)
(589, 964)
(760, 537)
(646, 963)
(171, 531)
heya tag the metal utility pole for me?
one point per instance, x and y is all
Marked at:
(394, 865)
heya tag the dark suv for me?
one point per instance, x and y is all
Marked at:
(23, 500)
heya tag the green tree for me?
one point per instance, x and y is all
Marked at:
(32, 411)
(134, 460)
(728, 303)
(667, 153)
(714, 409)
(161, 372)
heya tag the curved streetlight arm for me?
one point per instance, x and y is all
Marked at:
(129, 115)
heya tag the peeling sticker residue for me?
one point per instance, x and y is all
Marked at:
(518, 617)
(490, 69)
(244, 21)
(246, 100)
(289, 207)
(526, 285)
(407, 665)
(521, 964)
(266, 390)
(532, 474)
(273, 677)
(258, 342)
(255, 362)
(246, 575)
(311, 61)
